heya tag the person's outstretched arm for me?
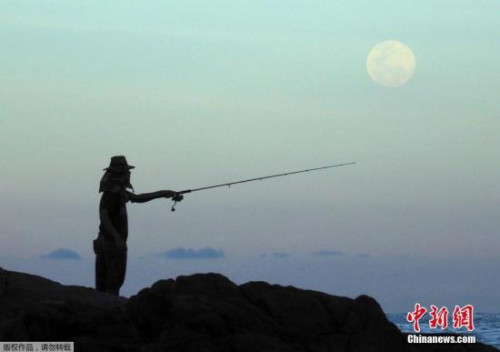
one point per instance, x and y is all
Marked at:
(146, 197)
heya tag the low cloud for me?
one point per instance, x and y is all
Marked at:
(279, 255)
(324, 253)
(62, 254)
(189, 253)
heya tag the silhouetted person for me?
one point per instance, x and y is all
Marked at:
(110, 247)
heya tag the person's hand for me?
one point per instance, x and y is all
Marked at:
(177, 197)
(169, 194)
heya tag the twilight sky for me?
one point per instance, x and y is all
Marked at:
(196, 93)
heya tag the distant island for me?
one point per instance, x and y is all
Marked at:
(201, 312)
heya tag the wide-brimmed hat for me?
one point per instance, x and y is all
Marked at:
(118, 163)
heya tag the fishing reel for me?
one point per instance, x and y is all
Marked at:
(177, 198)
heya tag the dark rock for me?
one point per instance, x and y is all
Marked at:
(202, 312)
(33, 308)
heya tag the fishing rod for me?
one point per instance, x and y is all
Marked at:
(179, 195)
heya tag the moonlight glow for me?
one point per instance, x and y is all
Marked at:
(391, 63)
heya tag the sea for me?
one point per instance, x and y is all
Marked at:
(487, 327)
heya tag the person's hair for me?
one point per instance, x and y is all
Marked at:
(114, 182)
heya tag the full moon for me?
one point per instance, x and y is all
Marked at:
(391, 63)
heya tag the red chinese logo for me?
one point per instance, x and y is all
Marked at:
(439, 318)
(463, 317)
(415, 316)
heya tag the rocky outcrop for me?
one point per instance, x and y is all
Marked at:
(33, 308)
(202, 312)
